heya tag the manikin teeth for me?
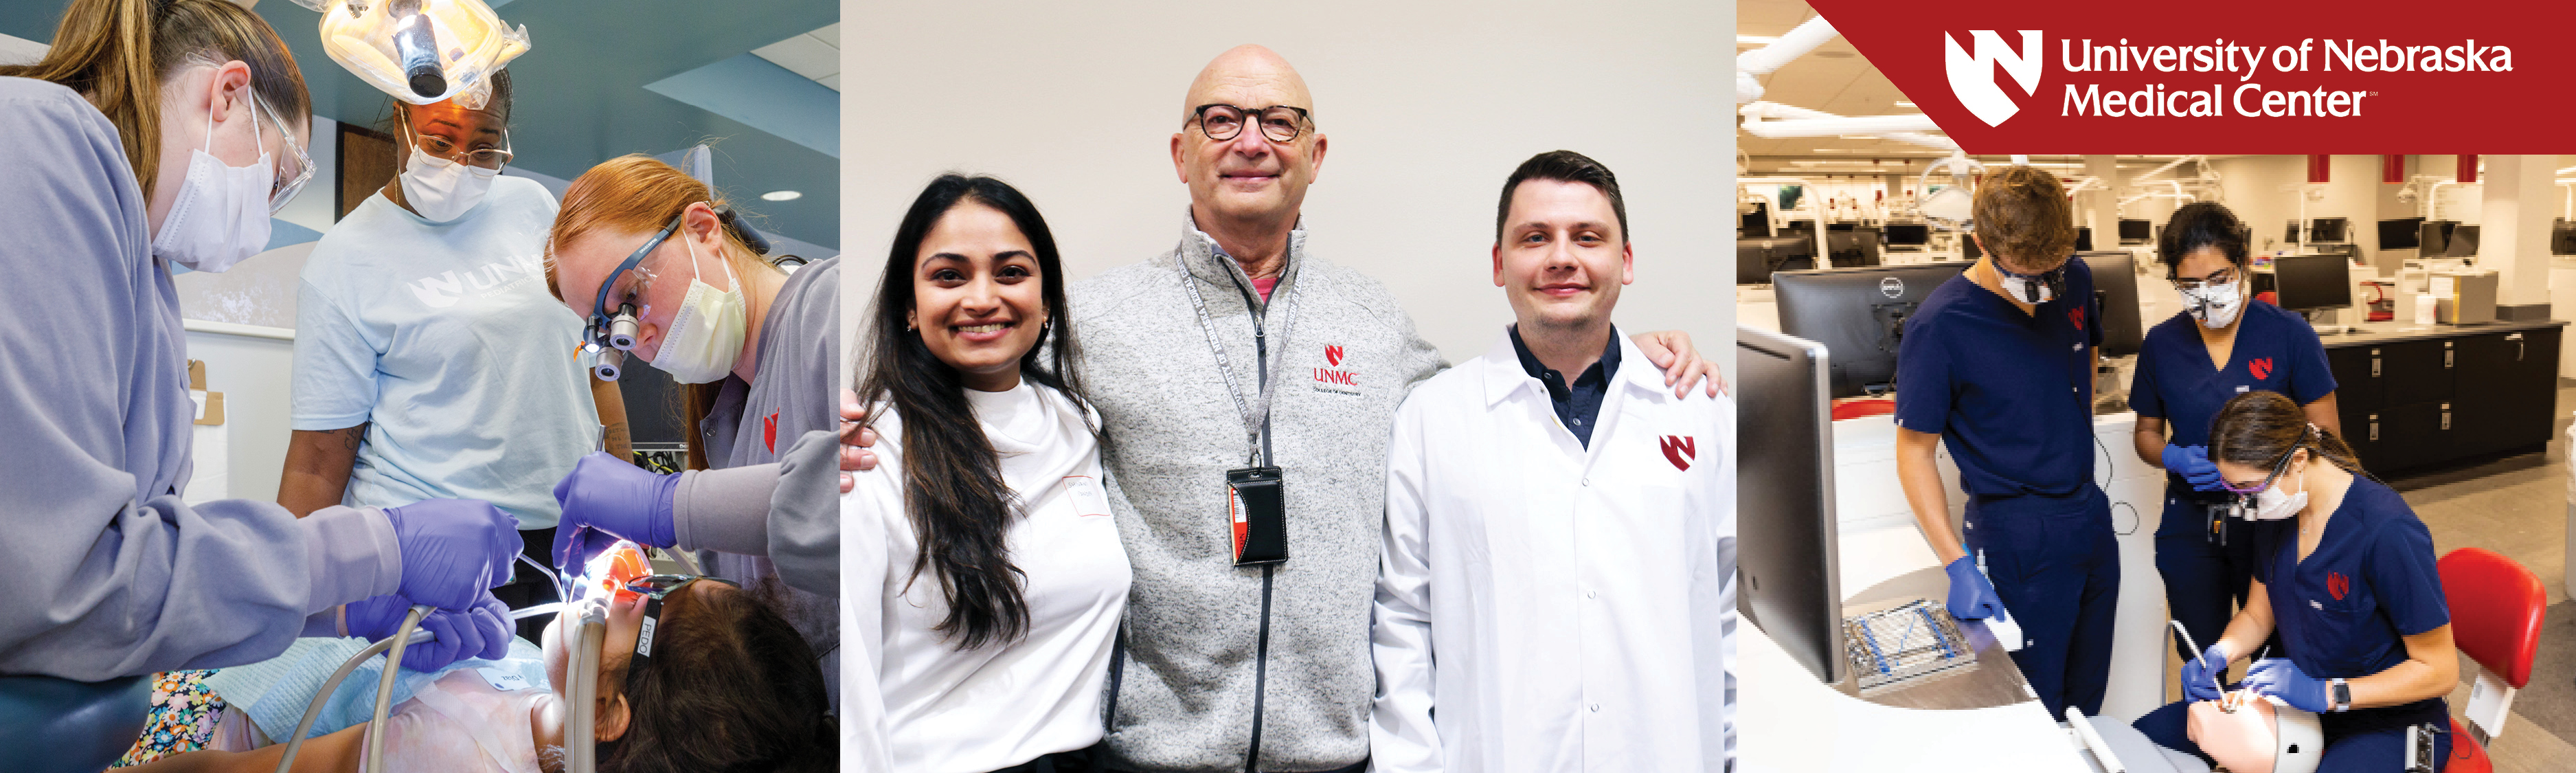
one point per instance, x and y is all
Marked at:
(982, 328)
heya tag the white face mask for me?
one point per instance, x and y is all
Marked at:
(2272, 505)
(2030, 289)
(706, 335)
(2215, 305)
(220, 217)
(442, 190)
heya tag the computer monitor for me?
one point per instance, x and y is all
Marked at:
(2312, 282)
(1841, 226)
(1755, 259)
(1909, 233)
(1858, 314)
(2115, 284)
(2326, 229)
(1757, 223)
(1786, 548)
(2401, 234)
(2434, 238)
(2292, 236)
(2562, 239)
(2464, 242)
(2083, 238)
(1968, 247)
(1852, 249)
(2136, 231)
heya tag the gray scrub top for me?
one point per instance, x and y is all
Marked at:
(105, 572)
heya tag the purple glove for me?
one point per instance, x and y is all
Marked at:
(454, 551)
(1971, 596)
(482, 631)
(606, 499)
(2278, 677)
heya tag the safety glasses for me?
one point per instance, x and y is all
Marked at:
(2278, 467)
(285, 189)
(654, 588)
(612, 332)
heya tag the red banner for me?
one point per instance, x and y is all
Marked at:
(2053, 77)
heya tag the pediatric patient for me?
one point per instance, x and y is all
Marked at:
(730, 686)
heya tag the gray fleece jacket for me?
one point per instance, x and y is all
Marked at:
(1183, 692)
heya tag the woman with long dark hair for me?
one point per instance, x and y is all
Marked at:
(986, 580)
(2351, 588)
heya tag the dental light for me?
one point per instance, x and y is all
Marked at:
(1953, 207)
(420, 51)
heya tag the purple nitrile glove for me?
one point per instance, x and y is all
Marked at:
(453, 550)
(2192, 463)
(481, 631)
(2200, 675)
(606, 499)
(2280, 678)
(1971, 596)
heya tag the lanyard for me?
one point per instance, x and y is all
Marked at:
(1256, 413)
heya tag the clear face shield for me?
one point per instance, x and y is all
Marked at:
(420, 51)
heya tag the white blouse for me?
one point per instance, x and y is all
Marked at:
(916, 702)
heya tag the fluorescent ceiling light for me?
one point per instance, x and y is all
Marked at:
(782, 196)
(2566, 170)
(1904, 104)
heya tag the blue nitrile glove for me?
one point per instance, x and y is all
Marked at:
(482, 631)
(1971, 597)
(2192, 463)
(453, 550)
(2278, 677)
(2200, 675)
(606, 499)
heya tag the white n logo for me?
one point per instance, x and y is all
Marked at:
(1973, 78)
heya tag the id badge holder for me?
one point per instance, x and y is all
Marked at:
(1259, 515)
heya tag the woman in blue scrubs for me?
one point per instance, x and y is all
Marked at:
(2350, 587)
(2220, 346)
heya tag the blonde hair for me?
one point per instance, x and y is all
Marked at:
(117, 52)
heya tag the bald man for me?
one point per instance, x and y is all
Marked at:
(1248, 389)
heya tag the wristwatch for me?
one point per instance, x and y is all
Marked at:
(2340, 694)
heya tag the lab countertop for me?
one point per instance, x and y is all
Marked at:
(2392, 332)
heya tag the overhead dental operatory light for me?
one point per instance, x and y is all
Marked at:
(420, 51)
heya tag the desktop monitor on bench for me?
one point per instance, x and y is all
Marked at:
(1857, 314)
(1852, 249)
(2464, 242)
(2136, 231)
(2401, 234)
(2435, 237)
(1755, 259)
(1786, 544)
(2115, 284)
(2326, 229)
(2083, 238)
(1757, 223)
(2312, 282)
(1909, 233)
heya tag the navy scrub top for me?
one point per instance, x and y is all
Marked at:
(2275, 351)
(2010, 393)
(2344, 610)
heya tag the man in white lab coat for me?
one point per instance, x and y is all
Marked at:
(1557, 589)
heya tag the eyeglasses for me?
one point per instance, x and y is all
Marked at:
(2227, 275)
(655, 587)
(2277, 468)
(286, 187)
(1280, 123)
(442, 147)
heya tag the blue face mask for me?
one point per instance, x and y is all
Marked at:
(2033, 289)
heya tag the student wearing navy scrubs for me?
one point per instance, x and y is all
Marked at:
(1998, 363)
(2350, 585)
(2220, 346)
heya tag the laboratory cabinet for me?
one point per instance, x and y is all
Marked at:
(2415, 398)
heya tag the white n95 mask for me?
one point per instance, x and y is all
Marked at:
(706, 335)
(441, 189)
(2215, 305)
(220, 217)
(2272, 505)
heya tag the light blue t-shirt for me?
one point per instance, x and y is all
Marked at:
(444, 340)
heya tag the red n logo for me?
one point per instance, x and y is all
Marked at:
(2338, 584)
(1333, 355)
(2262, 368)
(2076, 315)
(1680, 450)
(769, 431)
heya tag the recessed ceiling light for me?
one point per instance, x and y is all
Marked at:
(782, 196)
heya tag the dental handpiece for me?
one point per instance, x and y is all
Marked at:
(2202, 656)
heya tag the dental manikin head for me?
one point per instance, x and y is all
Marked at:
(729, 685)
(2249, 733)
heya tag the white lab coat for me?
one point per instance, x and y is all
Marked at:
(1579, 604)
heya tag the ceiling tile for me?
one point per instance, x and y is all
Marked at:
(830, 36)
(802, 55)
(832, 81)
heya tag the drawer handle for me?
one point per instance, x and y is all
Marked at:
(2446, 358)
(2374, 364)
(2374, 429)
(2446, 417)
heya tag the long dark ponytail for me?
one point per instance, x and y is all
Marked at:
(2257, 428)
(953, 488)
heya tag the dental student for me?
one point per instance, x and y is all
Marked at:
(2350, 585)
(154, 133)
(430, 361)
(2220, 346)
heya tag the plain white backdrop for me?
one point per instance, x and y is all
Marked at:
(1427, 108)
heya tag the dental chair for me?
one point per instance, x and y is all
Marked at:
(2496, 609)
(54, 725)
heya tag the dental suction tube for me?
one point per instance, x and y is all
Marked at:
(416, 46)
(313, 711)
(581, 745)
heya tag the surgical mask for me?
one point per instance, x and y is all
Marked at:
(2215, 305)
(706, 334)
(220, 217)
(442, 190)
(2268, 503)
(2033, 289)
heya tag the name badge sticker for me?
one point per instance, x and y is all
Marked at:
(503, 681)
(1085, 494)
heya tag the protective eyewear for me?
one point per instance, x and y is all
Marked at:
(442, 147)
(2227, 275)
(2278, 467)
(1221, 122)
(286, 187)
(655, 587)
(613, 333)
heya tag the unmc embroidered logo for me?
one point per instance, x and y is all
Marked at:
(1972, 78)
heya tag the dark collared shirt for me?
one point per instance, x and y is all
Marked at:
(1578, 406)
